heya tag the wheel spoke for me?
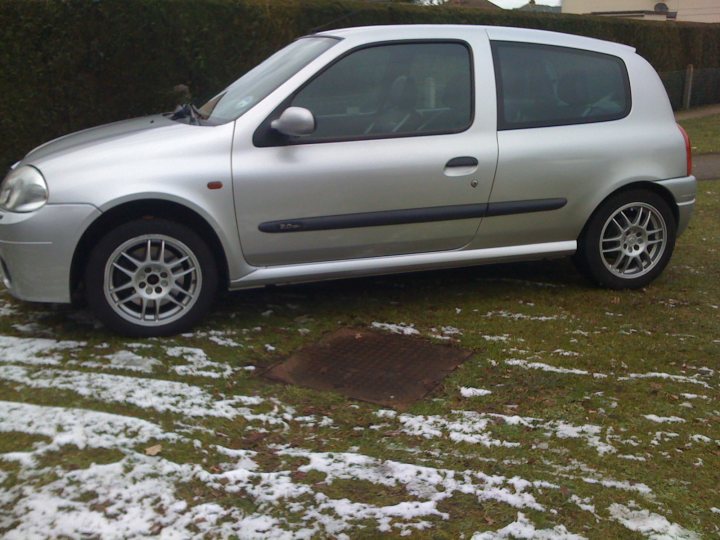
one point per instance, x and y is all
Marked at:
(611, 250)
(127, 285)
(129, 300)
(617, 224)
(171, 298)
(648, 259)
(133, 260)
(148, 251)
(619, 260)
(125, 271)
(638, 217)
(178, 262)
(647, 220)
(613, 239)
(178, 275)
(177, 287)
(161, 258)
(628, 262)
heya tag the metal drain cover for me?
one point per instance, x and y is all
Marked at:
(387, 369)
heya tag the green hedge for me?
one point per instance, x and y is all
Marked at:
(69, 64)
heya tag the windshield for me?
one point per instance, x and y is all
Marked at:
(260, 81)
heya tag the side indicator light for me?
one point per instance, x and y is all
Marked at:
(215, 185)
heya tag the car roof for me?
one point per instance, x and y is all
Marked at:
(363, 34)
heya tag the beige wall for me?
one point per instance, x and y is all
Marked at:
(687, 10)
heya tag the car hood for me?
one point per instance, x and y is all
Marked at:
(99, 135)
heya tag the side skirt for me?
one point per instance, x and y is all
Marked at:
(300, 273)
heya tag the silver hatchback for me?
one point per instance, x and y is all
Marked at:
(356, 152)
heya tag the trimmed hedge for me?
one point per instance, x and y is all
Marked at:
(70, 64)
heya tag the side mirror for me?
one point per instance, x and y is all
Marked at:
(294, 121)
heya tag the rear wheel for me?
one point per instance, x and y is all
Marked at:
(628, 241)
(151, 278)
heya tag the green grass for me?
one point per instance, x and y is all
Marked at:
(704, 133)
(670, 327)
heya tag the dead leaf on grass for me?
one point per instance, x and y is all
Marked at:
(153, 450)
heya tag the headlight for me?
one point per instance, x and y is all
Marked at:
(23, 190)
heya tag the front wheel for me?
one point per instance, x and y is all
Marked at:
(628, 241)
(151, 277)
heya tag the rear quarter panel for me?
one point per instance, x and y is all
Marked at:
(584, 163)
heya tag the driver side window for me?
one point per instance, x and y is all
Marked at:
(391, 91)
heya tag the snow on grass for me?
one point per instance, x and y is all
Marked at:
(464, 426)
(34, 351)
(474, 428)
(522, 316)
(78, 427)
(664, 419)
(502, 338)
(198, 364)
(125, 360)
(402, 328)
(428, 483)
(544, 367)
(469, 392)
(137, 496)
(523, 528)
(693, 396)
(134, 497)
(651, 525)
(160, 395)
(638, 487)
(668, 376)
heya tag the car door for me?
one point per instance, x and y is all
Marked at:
(401, 161)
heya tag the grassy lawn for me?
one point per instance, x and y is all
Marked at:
(703, 133)
(602, 417)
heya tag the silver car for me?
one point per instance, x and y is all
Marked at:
(356, 152)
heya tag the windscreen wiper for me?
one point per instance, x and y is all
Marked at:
(189, 111)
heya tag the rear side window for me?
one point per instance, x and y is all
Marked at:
(542, 85)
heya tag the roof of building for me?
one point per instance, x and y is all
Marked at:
(540, 8)
(483, 4)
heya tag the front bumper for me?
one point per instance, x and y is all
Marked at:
(684, 190)
(37, 248)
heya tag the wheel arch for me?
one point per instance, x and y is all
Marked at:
(652, 187)
(144, 209)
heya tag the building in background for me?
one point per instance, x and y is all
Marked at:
(706, 11)
(485, 4)
(539, 8)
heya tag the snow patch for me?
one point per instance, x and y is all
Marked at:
(651, 525)
(468, 392)
(402, 328)
(34, 351)
(523, 528)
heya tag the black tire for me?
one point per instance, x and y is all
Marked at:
(645, 246)
(164, 295)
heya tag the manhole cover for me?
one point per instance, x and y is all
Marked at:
(386, 369)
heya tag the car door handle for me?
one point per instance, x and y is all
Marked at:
(465, 161)
(461, 166)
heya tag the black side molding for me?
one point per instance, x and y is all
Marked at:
(524, 207)
(411, 215)
(376, 219)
